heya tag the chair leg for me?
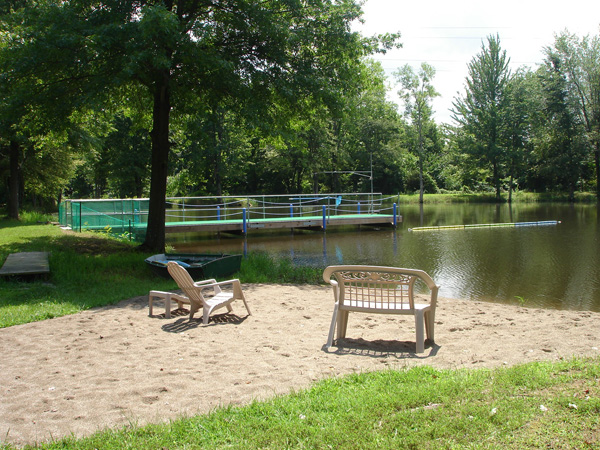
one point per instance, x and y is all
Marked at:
(332, 326)
(166, 296)
(429, 325)
(205, 313)
(342, 324)
(419, 325)
(238, 293)
(168, 306)
(193, 309)
(246, 305)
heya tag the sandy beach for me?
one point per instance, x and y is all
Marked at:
(115, 366)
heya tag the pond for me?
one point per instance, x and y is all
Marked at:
(541, 266)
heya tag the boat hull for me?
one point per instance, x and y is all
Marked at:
(199, 266)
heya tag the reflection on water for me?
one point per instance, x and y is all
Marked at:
(550, 266)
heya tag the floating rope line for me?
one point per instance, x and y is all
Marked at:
(489, 225)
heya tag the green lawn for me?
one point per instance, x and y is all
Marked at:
(86, 270)
(92, 269)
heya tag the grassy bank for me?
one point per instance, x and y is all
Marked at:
(92, 269)
(538, 405)
(518, 197)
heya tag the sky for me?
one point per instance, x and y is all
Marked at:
(448, 35)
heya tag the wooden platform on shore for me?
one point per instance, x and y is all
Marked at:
(26, 263)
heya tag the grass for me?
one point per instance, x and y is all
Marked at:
(260, 267)
(93, 269)
(537, 405)
(518, 197)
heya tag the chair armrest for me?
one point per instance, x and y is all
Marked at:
(216, 285)
(203, 282)
(209, 283)
(336, 289)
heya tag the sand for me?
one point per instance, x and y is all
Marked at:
(115, 366)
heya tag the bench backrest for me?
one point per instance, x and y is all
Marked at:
(376, 287)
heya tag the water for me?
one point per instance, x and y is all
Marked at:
(550, 266)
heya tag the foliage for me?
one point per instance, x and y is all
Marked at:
(416, 92)
(481, 110)
(580, 62)
(562, 149)
(261, 267)
(518, 197)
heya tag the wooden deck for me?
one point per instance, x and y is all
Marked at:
(26, 263)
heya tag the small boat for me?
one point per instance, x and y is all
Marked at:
(200, 266)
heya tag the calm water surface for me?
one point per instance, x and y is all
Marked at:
(551, 266)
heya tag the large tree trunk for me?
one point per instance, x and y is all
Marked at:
(155, 232)
(13, 195)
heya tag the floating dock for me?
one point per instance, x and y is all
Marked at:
(26, 264)
(489, 225)
(320, 223)
(238, 215)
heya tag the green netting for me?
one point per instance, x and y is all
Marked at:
(116, 216)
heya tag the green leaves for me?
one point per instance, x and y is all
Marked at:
(481, 110)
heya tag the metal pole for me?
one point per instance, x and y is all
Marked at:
(371, 210)
(244, 225)
(395, 216)
(324, 217)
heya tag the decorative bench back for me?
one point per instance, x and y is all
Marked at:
(378, 289)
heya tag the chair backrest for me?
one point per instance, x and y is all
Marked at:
(376, 287)
(184, 281)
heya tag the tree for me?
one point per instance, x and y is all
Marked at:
(177, 49)
(580, 61)
(560, 142)
(480, 111)
(35, 132)
(417, 93)
(517, 123)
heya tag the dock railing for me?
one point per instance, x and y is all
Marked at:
(128, 215)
